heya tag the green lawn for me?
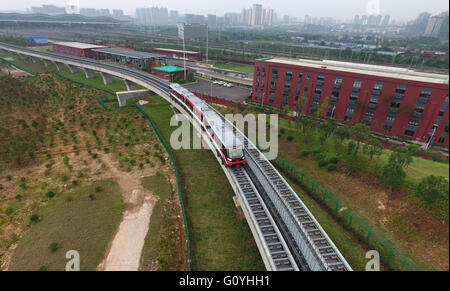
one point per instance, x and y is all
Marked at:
(244, 68)
(74, 222)
(161, 243)
(219, 235)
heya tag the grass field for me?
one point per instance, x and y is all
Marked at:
(74, 222)
(219, 235)
(244, 68)
(162, 249)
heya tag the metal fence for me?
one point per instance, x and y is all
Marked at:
(388, 252)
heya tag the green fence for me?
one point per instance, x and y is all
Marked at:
(169, 151)
(388, 252)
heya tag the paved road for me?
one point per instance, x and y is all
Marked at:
(236, 94)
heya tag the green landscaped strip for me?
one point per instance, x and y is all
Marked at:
(160, 187)
(169, 69)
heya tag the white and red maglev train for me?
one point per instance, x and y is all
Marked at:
(221, 134)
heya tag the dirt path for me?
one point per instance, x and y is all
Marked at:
(124, 251)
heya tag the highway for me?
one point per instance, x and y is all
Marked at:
(288, 236)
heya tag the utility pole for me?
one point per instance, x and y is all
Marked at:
(207, 42)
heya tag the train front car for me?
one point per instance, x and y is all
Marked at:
(232, 150)
(221, 134)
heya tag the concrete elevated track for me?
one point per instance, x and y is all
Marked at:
(288, 236)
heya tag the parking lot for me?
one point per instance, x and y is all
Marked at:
(235, 93)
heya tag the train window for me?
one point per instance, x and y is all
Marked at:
(235, 153)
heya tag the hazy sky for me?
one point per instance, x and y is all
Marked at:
(341, 9)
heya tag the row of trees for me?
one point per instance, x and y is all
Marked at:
(360, 152)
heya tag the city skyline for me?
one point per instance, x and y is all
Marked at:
(322, 8)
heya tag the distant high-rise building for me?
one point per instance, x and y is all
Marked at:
(386, 20)
(118, 14)
(418, 26)
(194, 18)
(308, 19)
(152, 16)
(90, 12)
(212, 20)
(434, 26)
(257, 15)
(269, 21)
(49, 9)
(103, 12)
(356, 19)
(379, 20)
(364, 20)
(232, 18)
(246, 16)
(173, 17)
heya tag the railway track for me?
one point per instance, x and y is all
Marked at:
(308, 242)
(287, 234)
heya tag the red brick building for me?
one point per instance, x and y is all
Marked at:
(76, 49)
(171, 53)
(393, 101)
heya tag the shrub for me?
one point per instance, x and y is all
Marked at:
(42, 268)
(69, 198)
(50, 194)
(323, 163)
(290, 138)
(92, 197)
(95, 156)
(432, 189)
(35, 218)
(19, 197)
(304, 153)
(331, 167)
(320, 157)
(98, 189)
(333, 160)
(9, 211)
(53, 247)
(282, 131)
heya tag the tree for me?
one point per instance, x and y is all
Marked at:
(327, 128)
(393, 174)
(323, 107)
(342, 133)
(373, 147)
(432, 189)
(402, 156)
(360, 132)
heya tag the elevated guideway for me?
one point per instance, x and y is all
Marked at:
(288, 236)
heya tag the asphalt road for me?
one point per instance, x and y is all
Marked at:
(236, 94)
